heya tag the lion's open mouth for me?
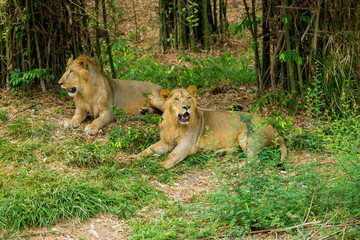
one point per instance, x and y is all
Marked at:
(184, 117)
(72, 90)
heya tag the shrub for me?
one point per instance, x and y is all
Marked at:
(134, 138)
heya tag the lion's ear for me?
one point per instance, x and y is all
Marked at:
(192, 89)
(82, 61)
(70, 61)
(165, 94)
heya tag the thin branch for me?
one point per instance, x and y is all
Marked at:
(287, 228)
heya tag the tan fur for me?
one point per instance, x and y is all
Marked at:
(212, 129)
(96, 94)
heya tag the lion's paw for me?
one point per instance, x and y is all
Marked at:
(70, 124)
(90, 130)
(134, 156)
(166, 164)
(124, 159)
(146, 110)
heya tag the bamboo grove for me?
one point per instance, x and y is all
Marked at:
(38, 37)
(296, 43)
(302, 43)
(191, 24)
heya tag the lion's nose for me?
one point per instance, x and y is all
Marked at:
(61, 83)
(186, 107)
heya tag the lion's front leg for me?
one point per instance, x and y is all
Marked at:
(105, 117)
(179, 153)
(75, 121)
(157, 148)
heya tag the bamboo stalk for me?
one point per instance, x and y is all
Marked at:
(273, 62)
(207, 31)
(37, 46)
(299, 71)
(289, 63)
(253, 29)
(8, 47)
(314, 40)
(97, 31)
(136, 22)
(221, 16)
(181, 25)
(73, 34)
(215, 16)
(192, 28)
(28, 35)
(162, 16)
(107, 39)
(265, 43)
(175, 25)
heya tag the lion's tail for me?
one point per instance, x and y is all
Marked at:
(282, 145)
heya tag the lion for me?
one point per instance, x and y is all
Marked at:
(187, 128)
(95, 94)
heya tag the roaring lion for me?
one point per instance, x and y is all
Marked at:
(186, 128)
(95, 94)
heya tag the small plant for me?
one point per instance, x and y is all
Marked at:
(315, 97)
(3, 116)
(279, 99)
(133, 138)
(283, 126)
(22, 79)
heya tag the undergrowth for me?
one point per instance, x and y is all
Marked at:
(311, 199)
(202, 72)
(49, 175)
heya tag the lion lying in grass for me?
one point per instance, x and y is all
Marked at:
(186, 128)
(94, 94)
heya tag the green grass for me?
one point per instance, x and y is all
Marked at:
(175, 221)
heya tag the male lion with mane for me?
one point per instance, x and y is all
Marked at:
(94, 94)
(186, 128)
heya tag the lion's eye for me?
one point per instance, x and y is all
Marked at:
(176, 99)
(189, 98)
